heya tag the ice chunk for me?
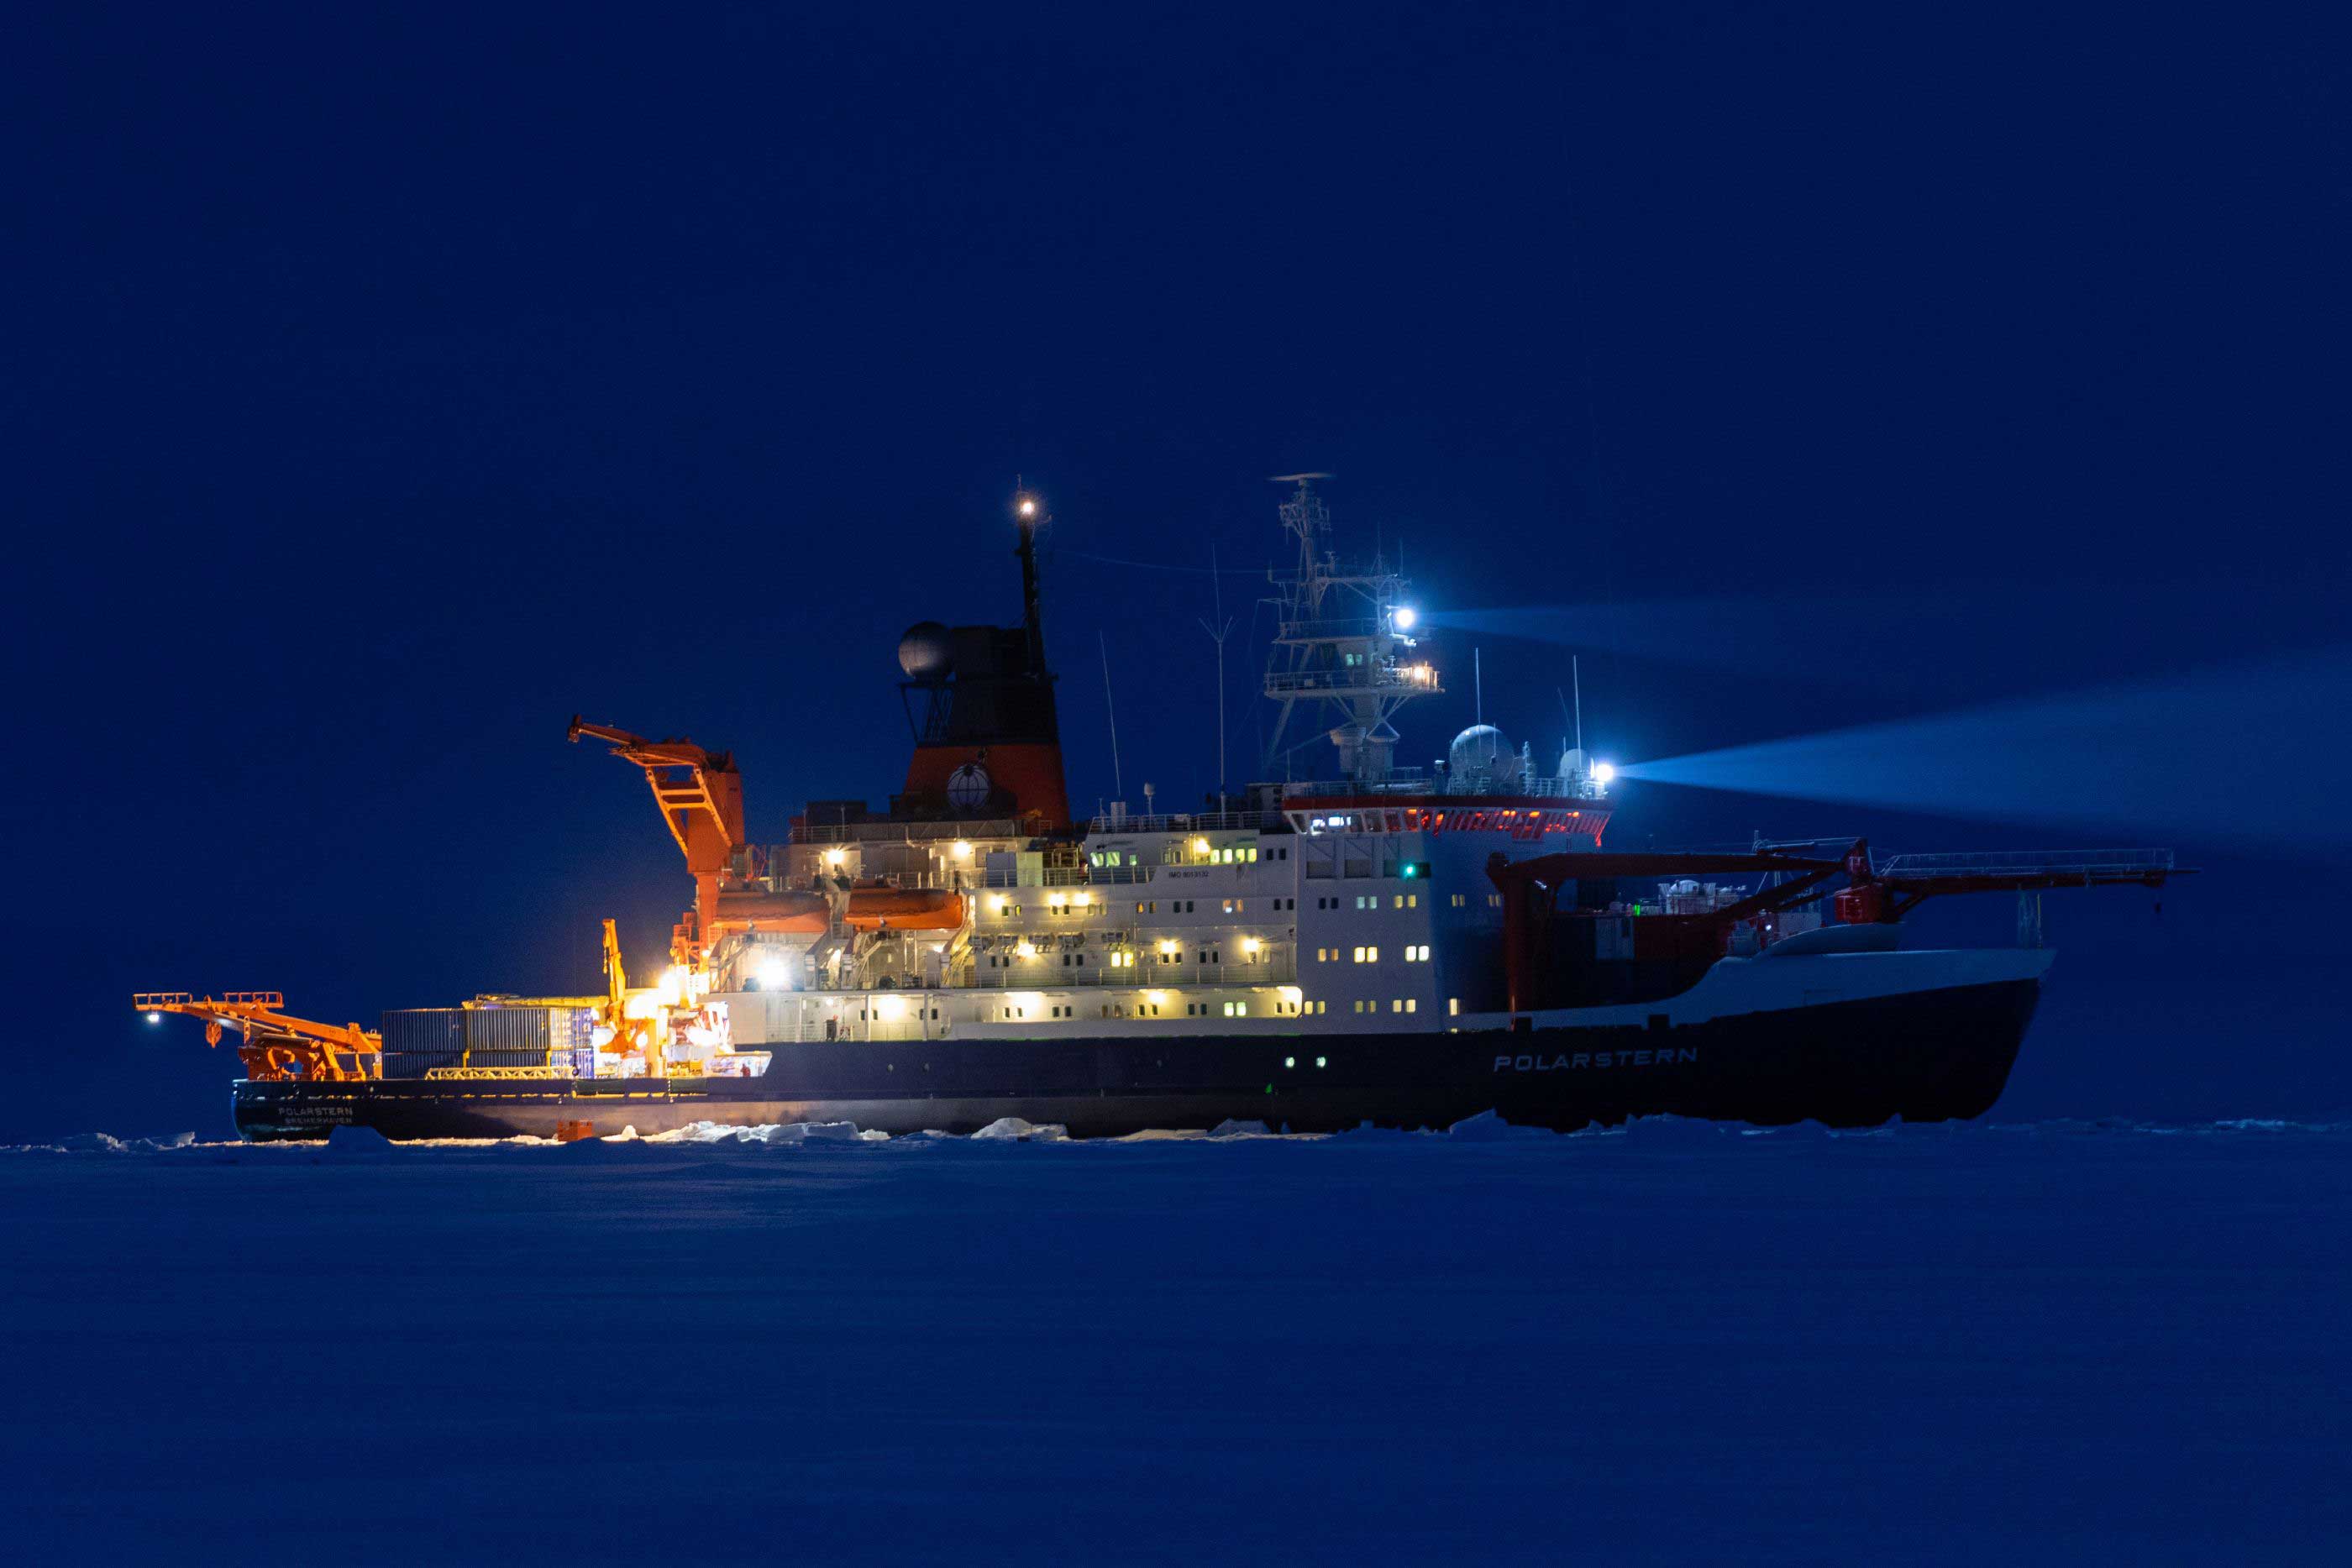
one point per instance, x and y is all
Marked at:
(1229, 1128)
(769, 1135)
(1674, 1132)
(361, 1141)
(789, 1134)
(1013, 1129)
(1487, 1126)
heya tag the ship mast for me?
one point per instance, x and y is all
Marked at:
(1339, 647)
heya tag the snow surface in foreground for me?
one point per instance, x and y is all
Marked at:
(2056, 1342)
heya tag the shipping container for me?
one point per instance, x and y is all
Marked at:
(417, 1063)
(494, 1058)
(506, 1030)
(427, 1029)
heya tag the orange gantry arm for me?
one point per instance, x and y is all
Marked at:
(318, 1049)
(698, 792)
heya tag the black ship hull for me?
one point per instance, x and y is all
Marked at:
(1927, 1055)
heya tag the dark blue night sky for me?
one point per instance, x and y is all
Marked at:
(387, 385)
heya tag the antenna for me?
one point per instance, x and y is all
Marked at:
(1117, 788)
(1217, 635)
(1477, 687)
(1576, 678)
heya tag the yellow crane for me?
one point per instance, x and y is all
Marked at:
(273, 1044)
(650, 1033)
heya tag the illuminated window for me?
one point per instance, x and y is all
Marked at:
(1459, 901)
(1453, 1007)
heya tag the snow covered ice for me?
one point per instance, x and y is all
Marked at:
(2063, 1342)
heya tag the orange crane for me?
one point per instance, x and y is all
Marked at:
(273, 1044)
(700, 795)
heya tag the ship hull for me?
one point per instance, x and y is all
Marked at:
(1922, 1055)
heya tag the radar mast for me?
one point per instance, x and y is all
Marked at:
(1340, 648)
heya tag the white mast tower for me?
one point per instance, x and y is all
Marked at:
(1340, 646)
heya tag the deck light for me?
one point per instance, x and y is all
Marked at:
(1403, 616)
(775, 975)
(962, 849)
(834, 857)
(154, 1017)
(1603, 772)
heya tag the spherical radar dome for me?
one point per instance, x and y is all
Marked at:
(923, 652)
(1481, 748)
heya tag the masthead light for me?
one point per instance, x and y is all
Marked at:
(154, 1017)
(1028, 506)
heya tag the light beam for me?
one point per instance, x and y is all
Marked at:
(2256, 753)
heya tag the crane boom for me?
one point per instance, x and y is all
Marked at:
(699, 794)
(275, 1044)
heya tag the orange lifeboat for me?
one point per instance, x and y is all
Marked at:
(905, 909)
(796, 914)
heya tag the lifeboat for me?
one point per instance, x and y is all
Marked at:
(870, 909)
(795, 914)
(905, 909)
